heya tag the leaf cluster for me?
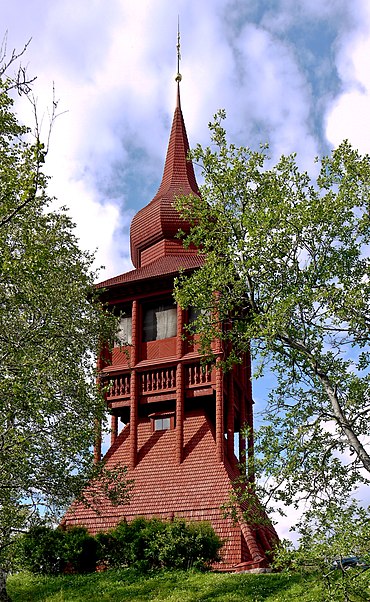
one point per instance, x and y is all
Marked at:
(286, 274)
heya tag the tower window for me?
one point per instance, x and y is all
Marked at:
(124, 335)
(162, 421)
(159, 321)
(162, 424)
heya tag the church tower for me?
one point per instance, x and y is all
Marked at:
(180, 420)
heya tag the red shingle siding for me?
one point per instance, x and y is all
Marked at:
(162, 248)
(195, 489)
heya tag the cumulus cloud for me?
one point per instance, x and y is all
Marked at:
(114, 64)
(348, 117)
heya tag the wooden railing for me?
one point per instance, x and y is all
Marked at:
(197, 375)
(120, 386)
(159, 379)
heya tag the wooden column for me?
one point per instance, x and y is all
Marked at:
(97, 442)
(249, 417)
(219, 391)
(230, 419)
(97, 421)
(180, 389)
(244, 373)
(113, 428)
(134, 398)
(133, 419)
(243, 424)
(179, 332)
(219, 414)
(179, 412)
(135, 333)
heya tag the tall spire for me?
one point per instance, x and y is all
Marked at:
(154, 228)
(178, 77)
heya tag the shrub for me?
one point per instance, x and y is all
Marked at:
(79, 550)
(113, 547)
(142, 543)
(143, 533)
(184, 545)
(155, 543)
(41, 550)
(49, 551)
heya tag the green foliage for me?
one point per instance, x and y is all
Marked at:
(142, 535)
(41, 550)
(288, 256)
(335, 543)
(79, 550)
(47, 551)
(51, 326)
(142, 543)
(113, 549)
(153, 543)
(111, 483)
(182, 545)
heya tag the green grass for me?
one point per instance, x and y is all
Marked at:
(176, 586)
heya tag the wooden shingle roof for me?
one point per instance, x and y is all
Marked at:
(159, 221)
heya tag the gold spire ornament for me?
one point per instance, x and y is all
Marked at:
(178, 77)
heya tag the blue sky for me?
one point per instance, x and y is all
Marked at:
(294, 73)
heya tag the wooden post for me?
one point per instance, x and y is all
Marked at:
(97, 422)
(135, 333)
(134, 398)
(230, 419)
(114, 429)
(179, 332)
(219, 414)
(133, 419)
(243, 424)
(97, 443)
(180, 390)
(249, 417)
(179, 412)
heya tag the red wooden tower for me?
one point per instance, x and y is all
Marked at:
(180, 421)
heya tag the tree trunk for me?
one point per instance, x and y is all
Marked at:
(338, 412)
(3, 593)
(344, 424)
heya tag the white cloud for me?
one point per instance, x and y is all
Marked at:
(114, 64)
(349, 113)
(277, 93)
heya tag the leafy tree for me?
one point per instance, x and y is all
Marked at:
(286, 272)
(50, 326)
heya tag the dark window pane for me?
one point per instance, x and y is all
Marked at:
(162, 424)
(166, 424)
(159, 321)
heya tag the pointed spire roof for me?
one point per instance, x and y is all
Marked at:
(154, 228)
(178, 173)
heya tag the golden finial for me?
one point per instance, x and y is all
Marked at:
(178, 77)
